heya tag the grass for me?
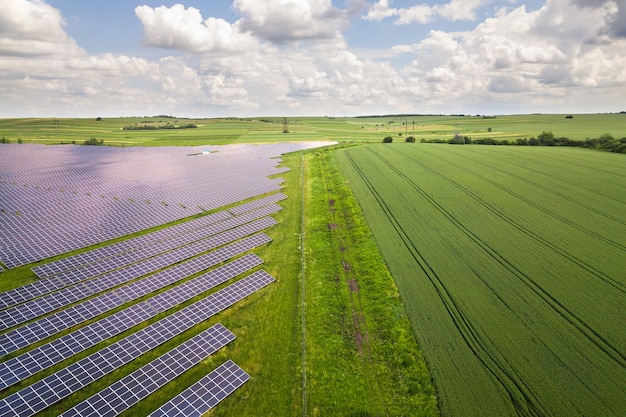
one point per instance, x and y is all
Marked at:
(361, 129)
(510, 264)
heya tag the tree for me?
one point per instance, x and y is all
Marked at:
(93, 141)
(546, 139)
(388, 139)
(410, 139)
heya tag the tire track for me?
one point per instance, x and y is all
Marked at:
(553, 214)
(522, 398)
(563, 196)
(619, 286)
(569, 316)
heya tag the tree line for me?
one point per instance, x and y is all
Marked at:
(606, 142)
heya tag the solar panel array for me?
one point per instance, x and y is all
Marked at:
(114, 192)
(149, 259)
(206, 393)
(31, 362)
(63, 383)
(136, 386)
(71, 262)
(121, 259)
(110, 193)
(257, 204)
(50, 302)
(72, 316)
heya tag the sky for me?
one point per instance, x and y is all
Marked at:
(246, 58)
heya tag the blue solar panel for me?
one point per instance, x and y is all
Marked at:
(64, 319)
(134, 387)
(206, 393)
(64, 279)
(32, 309)
(118, 192)
(29, 363)
(50, 389)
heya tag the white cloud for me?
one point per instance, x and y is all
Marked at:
(424, 13)
(380, 11)
(284, 21)
(565, 53)
(540, 58)
(33, 28)
(184, 29)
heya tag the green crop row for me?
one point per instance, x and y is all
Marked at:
(510, 263)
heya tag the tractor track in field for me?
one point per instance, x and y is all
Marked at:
(593, 271)
(561, 195)
(549, 212)
(528, 404)
(558, 307)
(570, 160)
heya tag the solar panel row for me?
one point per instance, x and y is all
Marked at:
(127, 258)
(206, 393)
(71, 262)
(39, 306)
(45, 286)
(54, 267)
(61, 384)
(136, 386)
(31, 236)
(258, 203)
(72, 316)
(29, 363)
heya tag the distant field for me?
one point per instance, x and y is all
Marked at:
(510, 262)
(359, 129)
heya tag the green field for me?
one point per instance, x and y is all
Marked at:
(510, 262)
(351, 129)
(507, 266)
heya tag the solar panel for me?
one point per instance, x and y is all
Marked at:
(37, 307)
(72, 316)
(52, 268)
(206, 393)
(117, 192)
(64, 279)
(29, 363)
(136, 386)
(258, 203)
(61, 384)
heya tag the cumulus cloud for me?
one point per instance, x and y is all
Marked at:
(284, 21)
(616, 24)
(538, 57)
(33, 28)
(184, 29)
(424, 13)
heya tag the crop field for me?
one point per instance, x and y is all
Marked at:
(349, 129)
(510, 262)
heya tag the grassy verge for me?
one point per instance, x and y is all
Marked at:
(362, 358)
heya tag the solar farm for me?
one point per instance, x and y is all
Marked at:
(255, 277)
(206, 213)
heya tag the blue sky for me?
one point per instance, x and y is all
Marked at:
(67, 58)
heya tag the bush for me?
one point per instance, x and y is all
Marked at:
(4, 140)
(410, 139)
(388, 139)
(93, 141)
